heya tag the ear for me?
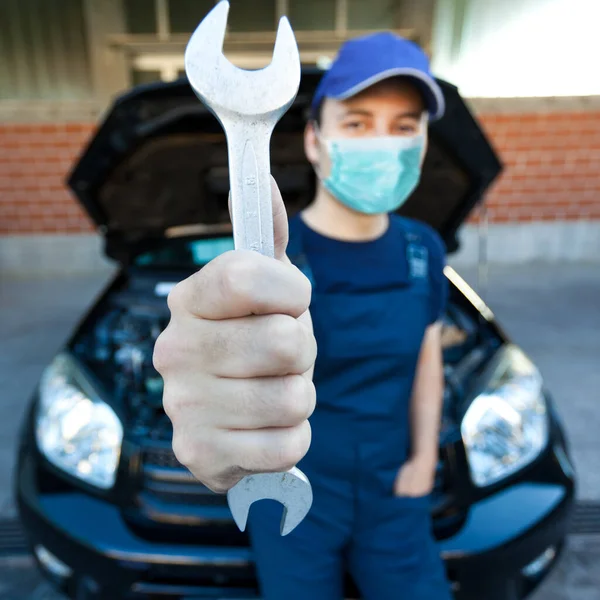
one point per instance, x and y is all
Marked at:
(311, 143)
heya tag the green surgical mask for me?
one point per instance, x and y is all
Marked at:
(376, 174)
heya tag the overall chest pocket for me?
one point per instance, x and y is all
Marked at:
(370, 325)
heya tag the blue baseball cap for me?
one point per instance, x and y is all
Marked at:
(365, 60)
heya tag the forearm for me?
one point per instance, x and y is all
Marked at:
(427, 398)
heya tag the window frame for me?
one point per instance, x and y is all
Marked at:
(163, 51)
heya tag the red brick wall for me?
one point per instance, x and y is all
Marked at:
(552, 171)
(552, 166)
(34, 160)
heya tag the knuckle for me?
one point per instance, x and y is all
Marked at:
(310, 348)
(177, 295)
(181, 348)
(183, 449)
(202, 455)
(285, 453)
(222, 482)
(286, 339)
(196, 453)
(304, 433)
(162, 352)
(312, 397)
(297, 399)
(304, 289)
(294, 446)
(171, 404)
(238, 275)
(218, 485)
(172, 351)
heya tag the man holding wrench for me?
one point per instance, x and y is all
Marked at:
(239, 353)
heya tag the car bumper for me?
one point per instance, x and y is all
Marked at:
(102, 558)
(509, 542)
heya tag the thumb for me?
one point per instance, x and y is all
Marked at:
(280, 221)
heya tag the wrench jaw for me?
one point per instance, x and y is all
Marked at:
(286, 59)
(211, 33)
(229, 91)
(291, 488)
(204, 52)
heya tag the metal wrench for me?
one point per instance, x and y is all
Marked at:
(248, 104)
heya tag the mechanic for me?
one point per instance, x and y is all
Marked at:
(238, 355)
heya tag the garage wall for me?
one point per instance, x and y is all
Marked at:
(552, 180)
(551, 163)
(34, 160)
(527, 66)
(518, 48)
(551, 158)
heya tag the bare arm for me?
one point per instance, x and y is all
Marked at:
(416, 476)
(426, 401)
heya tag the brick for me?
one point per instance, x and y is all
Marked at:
(551, 160)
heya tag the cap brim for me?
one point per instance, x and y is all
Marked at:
(423, 78)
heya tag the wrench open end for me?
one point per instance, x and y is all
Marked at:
(227, 89)
(285, 51)
(208, 37)
(292, 489)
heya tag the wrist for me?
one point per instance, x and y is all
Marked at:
(425, 460)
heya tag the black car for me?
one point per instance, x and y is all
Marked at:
(110, 513)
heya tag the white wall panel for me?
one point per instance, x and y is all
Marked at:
(519, 48)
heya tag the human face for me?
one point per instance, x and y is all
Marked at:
(391, 107)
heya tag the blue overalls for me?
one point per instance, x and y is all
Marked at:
(368, 338)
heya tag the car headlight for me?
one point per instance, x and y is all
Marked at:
(74, 428)
(506, 426)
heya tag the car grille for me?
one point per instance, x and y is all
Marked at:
(162, 457)
(168, 488)
(169, 482)
(170, 505)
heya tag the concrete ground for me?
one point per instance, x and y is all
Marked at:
(552, 311)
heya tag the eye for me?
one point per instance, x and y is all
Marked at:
(406, 128)
(354, 125)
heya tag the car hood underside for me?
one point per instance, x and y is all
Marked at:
(158, 163)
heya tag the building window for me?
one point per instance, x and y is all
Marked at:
(43, 51)
(158, 30)
(311, 15)
(250, 15)
(140, 16)
(374, 14)
(184, 14)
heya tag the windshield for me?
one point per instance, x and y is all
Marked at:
(185, 253)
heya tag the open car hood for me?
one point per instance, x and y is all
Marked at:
(158, 165)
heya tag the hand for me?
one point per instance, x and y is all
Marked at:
(237, 359)
(416, 477)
